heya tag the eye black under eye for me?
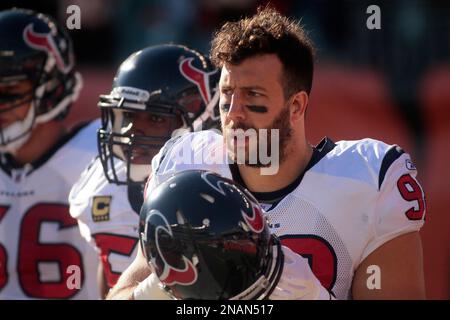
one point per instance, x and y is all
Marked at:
(258, 109)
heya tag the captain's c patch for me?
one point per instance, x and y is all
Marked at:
(100, 208)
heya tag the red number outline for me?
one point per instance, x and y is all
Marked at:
(310, 246)
(30, 251)
(112, 243)
(416, 195)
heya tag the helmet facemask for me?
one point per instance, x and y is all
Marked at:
(121, 140)
(14, 73)
(264, 286)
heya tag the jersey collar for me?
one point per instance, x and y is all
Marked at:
(273, 197)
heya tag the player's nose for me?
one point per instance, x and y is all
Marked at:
(236, 111)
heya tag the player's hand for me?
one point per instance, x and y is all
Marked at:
(150, 289)
(297, 281)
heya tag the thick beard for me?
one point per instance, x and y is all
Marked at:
(282, 124)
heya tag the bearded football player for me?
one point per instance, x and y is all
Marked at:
(345, 205)
(40, 245)
(158, 92)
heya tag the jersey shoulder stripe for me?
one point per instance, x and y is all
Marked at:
(391, 155)
(365, 160)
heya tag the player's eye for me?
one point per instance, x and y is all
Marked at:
(156, 119)
(254, 94)
(12, 97)
(227, 92)
(225, 107)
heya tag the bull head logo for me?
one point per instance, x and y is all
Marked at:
(167, 273)
(198, 77)
(46, 42)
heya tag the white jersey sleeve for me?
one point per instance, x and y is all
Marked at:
(400, 205)
(106, 219)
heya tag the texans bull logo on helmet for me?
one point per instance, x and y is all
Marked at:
(46, 42)
(198, 77)
(163, 260)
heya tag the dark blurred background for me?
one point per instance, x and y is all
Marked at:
(391, 84)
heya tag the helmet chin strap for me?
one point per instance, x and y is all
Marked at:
(16, 134)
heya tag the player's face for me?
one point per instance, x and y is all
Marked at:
(14, 102)
(251, 97)
(149, 130)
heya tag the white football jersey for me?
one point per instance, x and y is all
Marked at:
(106, 218)
(353, 197)
(42, 255)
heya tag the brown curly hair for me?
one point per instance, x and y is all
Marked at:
(268, 32)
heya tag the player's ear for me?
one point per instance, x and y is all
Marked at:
(298, 104)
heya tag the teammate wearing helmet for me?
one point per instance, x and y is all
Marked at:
(41, 252)
(158, 92)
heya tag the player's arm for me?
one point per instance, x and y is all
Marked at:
(392, 264)
(101, 281)
(400, 267)
(137, 272)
